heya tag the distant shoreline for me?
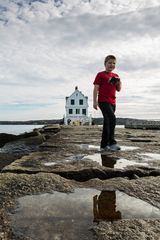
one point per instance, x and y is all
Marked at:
(96, 121)
(32, 122)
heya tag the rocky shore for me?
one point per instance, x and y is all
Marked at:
(59, 186)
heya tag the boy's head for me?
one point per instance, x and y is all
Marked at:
(110, 62)
(109, 57)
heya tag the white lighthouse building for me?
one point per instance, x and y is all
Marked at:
(76, 108)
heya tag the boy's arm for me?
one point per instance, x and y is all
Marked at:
(119, 86)
(95, 95)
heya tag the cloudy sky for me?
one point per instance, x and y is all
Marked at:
(47, 47)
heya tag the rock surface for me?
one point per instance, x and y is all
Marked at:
(70, 159)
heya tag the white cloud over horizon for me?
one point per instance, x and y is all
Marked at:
(49, 47)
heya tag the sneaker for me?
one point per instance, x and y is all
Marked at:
(114, 147)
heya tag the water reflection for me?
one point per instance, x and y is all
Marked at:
(104, 207)
(70, 216)
(108, 161)
(96, 147)
(150, 156)
(116, 205)
(113, 162)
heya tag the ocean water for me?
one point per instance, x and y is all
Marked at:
(18, 129)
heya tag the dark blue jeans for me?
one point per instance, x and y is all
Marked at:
(109, 123)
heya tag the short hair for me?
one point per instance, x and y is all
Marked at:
(108, 58)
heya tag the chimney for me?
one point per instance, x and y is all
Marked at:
(76, 88)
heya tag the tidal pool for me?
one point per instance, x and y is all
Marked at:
(89, 147)
(96, 147)
(76, 157)
(113, 162)
(69, 216)
(151, 156)
(152, 159)
(106, 160)
(49, 164)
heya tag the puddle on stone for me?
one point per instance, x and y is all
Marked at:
(76, 157)
(108, 160)
(120, 126)
(48, 164)
(69, 216)
(89, 147)
(128, 148)
(95, 147)
(153, 159)
(113, 162)
(150, 156)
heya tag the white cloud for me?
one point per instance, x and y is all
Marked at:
(31, 10)
(47, 50)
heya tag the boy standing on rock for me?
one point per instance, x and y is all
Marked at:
(106, 84)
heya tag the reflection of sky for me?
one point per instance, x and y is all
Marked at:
(150, 156)
(107, 160)
(79, 204)
(72, 214)
(43, 59)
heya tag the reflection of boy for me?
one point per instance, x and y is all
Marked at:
(104, 207)
(106, 84)
(108, 161)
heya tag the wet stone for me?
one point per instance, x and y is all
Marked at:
(68, 160)
(18, 147)
(70, 215)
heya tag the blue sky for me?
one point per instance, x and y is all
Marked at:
(48, 47)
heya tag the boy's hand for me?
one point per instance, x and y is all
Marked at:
(95, 105)
(114, 80)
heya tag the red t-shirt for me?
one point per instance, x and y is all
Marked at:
(107, 91)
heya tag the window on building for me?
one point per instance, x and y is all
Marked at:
(77, 111)
(81, 102)
(84, 111)
(72, 101)
(70, 111)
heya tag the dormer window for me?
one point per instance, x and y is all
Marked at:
(72, 102)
